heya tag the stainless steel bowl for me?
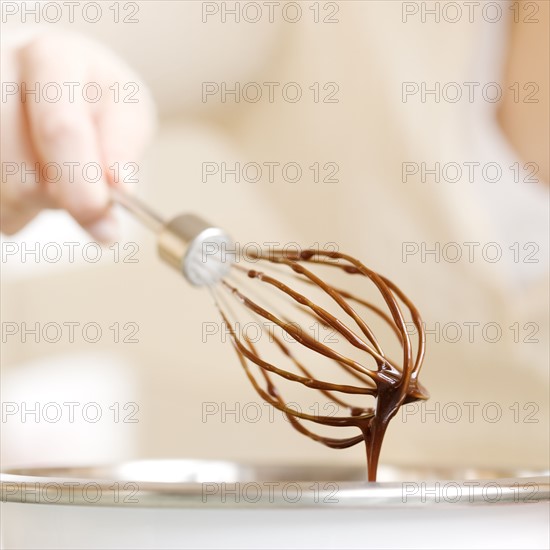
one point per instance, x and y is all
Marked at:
(214, 504)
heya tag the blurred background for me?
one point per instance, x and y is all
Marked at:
(365, 70)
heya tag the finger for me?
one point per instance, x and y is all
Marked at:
(21, 199)
(64, 133)
(126, 122)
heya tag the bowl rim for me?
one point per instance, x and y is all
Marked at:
(206, 484)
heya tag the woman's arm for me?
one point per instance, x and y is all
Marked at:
(525, 112)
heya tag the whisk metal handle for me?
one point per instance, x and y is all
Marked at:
(191, 245)
(140, 210)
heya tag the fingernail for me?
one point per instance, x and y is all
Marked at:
(126, 175)
(105, 230)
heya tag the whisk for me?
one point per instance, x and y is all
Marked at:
(258, 279)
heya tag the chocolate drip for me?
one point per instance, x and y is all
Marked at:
(392, 384)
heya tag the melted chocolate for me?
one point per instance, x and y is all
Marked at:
(392, 384)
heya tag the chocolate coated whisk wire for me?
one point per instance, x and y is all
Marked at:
(391, 384)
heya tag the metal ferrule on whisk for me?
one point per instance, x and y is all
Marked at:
(196, 248)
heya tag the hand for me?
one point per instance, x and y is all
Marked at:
(46, 144)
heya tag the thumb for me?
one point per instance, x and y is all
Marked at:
(124, 129)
